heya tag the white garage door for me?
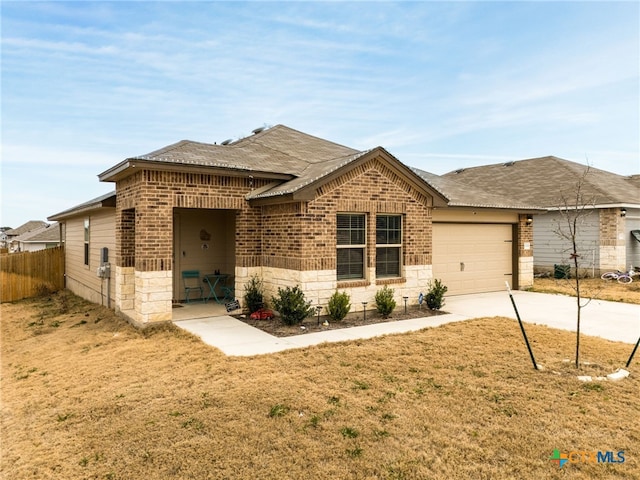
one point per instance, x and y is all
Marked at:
(472, 258)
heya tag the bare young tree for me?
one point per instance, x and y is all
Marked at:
(576, 210)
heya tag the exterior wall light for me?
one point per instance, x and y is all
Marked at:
(623, 212)
(529, 219)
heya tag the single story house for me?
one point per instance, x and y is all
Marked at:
(46, 236)
(293, 209)
(12, 234)
(608, 229)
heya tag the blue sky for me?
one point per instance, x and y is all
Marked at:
(441, 85)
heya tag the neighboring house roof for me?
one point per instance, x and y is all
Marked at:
(544, 181)
(459, 194)
(45, 234)
(106, 200)
(27, 227)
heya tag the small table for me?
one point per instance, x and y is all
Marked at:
(213, 279)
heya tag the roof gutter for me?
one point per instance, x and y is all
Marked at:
(505, 208)
(594, 206)
(131, 165)
(72, 212)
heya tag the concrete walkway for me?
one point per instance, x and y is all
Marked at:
(609, 320)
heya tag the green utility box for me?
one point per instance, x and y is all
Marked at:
(562, 271)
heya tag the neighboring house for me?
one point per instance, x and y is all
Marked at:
(295, 210)
(88, 229)
(47, 236)
(13, 233)
(608, 236)
(3, 237)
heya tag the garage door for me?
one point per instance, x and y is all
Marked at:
(472, 258)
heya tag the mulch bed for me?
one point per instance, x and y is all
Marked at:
(277, 328)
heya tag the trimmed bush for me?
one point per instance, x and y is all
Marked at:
(254, 294)
(339, 305)
(292, 305)
(435, 295)
(385, 302)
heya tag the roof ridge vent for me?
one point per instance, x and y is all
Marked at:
(508, 164)
(460, 170)
(227, 141)
(258, 130)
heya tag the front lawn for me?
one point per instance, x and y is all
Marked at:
(84, 395)
(591, 288)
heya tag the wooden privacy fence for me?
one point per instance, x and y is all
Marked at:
(27, 274)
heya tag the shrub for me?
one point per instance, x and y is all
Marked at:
(385, 302)
(435, 295)
(291, 304)
(339, 305)
(253, 294)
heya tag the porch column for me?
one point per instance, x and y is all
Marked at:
(525, 251)
(153, 261)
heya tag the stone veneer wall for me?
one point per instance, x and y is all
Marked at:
(154, 291)
(318, 286)
(125, 289)
(612, 240)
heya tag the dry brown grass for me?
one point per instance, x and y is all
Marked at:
(591, 287)
(85, 396)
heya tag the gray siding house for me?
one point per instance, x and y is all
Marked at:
(609, 230)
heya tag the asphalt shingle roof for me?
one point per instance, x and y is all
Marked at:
(106, 200)
(312, 173)
(26, 227)
(461, 195)
(47, 233)
(544, 181)
(278, 149)
(295, 160)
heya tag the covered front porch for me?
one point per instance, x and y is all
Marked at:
(204, 246)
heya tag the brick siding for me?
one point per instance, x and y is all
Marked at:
(144, 214)
(611, 225)
(525, 235)
(301, 236)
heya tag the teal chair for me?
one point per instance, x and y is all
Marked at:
(191, 282)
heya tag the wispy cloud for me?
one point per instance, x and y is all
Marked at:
(436, 83)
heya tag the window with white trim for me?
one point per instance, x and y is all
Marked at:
(351, 242)
(388, 246)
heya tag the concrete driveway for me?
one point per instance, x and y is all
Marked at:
(609, 320)
(615, 321)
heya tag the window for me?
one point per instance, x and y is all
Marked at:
(388, 245)
(86, 241)
(351, 239)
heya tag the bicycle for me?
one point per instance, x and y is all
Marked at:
(621, 277)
